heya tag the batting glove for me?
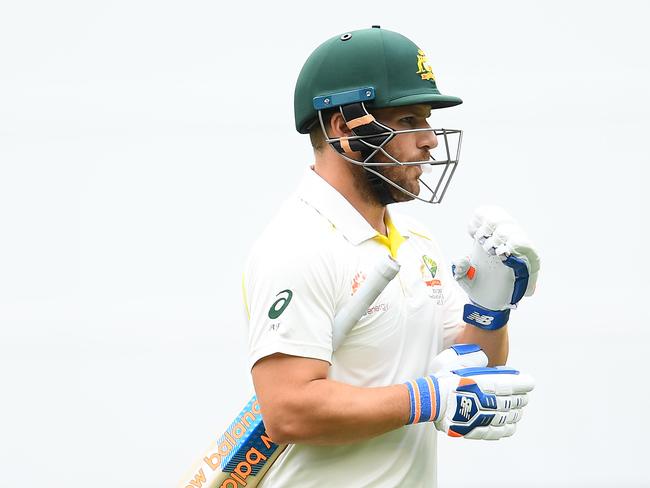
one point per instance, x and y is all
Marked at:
(502, 269)
(458, 356)
(474, 402)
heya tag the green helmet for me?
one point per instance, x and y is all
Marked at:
(376, 66)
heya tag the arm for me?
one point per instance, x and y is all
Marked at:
(306, 407)
(502, 270)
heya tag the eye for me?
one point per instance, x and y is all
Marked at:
(408, 120)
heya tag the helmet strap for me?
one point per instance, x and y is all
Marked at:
(380, 188)
(362, 123)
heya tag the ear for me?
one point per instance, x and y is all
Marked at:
(337, 126)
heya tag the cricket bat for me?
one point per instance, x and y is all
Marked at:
(244, 452)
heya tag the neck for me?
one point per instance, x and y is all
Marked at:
(345, 179)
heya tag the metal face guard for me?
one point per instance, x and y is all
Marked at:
(371, 137)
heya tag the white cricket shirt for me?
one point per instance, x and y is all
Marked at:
(305, 266)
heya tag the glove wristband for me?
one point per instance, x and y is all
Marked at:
(485, 319)
(424, 399)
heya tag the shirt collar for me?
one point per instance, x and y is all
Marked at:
(326, 200)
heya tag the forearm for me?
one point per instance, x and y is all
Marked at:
(326, 412)
(493, 342)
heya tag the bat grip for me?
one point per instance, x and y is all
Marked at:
(376, 280)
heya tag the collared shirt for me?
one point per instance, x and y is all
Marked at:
(304, 268)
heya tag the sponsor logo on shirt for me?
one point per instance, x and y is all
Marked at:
(379, 307)
(358, 279)
(280, 304)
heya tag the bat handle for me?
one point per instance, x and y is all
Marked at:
(377, 279)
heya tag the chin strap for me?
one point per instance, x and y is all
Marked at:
(362, 123)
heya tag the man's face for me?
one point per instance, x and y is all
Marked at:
(410, 147)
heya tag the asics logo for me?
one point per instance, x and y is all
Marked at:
(465, 407)
(481, 319)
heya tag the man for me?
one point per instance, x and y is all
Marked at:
(364, 97)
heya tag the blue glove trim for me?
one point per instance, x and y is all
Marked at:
(437, 387)
(484, 318)
(478, 371)
(481, 421)
(487, 400)
(425, 399)
(462, 349)
(468, 398)
(520, 269)
(422, 393)
(411, 402)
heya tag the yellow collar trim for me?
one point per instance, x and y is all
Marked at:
(394, 239)
(420, 235)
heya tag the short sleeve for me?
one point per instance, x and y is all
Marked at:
(290, 298)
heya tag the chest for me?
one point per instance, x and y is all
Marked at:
(400, 331)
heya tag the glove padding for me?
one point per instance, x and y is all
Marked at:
(458, 356)
(502, 269)
(464, 398)
(482, 403)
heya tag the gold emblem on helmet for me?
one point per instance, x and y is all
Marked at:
(424, 70)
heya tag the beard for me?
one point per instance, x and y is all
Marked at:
(406, 177)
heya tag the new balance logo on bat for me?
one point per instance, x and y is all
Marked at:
(481, 319)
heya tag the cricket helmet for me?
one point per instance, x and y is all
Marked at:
(368, 69)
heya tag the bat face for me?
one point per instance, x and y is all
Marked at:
(240, 456)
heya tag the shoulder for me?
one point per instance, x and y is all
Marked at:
(296, 228)
(408, 225)
(297, 241)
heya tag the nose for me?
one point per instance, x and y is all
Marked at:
(427, 140)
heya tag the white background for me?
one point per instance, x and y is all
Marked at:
(144, 145)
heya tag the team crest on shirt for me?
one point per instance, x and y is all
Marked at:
(431, 265)
(429, 269)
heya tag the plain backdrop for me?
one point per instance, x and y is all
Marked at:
(144, 145)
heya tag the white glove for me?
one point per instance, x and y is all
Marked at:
(482, 403)
(466, 399)
(458, 356)
(502, 269)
